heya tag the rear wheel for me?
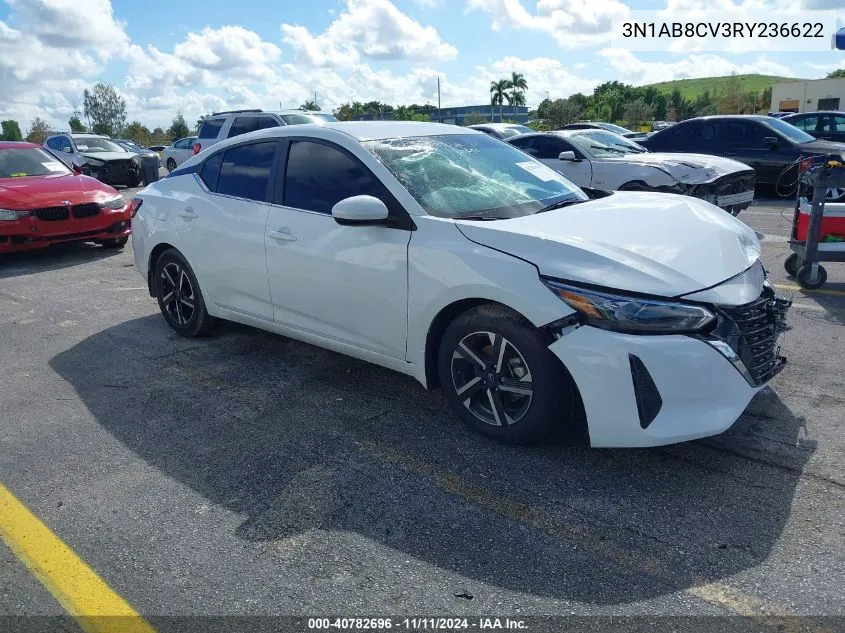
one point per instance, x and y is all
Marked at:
(171, 164)
(792, 264)
(500, 377)
(179, 296)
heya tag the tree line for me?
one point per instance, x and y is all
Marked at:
(633, 106)
(104, 112)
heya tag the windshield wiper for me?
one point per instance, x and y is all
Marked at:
(559, 205)
(479, 217)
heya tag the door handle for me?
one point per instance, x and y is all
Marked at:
(188, 213)
(282, 236)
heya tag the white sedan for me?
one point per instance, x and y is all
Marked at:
(178, 152)
(601, 159)
(630, 319)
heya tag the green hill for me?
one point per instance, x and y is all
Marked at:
(691, 88)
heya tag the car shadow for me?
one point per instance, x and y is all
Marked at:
(298, 439)
(54, 257)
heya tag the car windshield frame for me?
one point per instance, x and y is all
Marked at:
(607, 145)
(102, 148)
(57, 167)
(786, 129)
(483, 178)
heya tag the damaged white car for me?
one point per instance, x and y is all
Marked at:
(599, 159)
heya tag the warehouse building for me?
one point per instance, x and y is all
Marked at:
(808, 96)
(457, 114)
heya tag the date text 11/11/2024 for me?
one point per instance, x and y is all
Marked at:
(417, 624)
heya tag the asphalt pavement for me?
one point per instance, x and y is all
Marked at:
(250, 474)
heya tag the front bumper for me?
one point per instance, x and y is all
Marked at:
(661, 389)
(32, 232)
(733, 192)
(118, 172)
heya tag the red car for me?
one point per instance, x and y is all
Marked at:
(43, 202)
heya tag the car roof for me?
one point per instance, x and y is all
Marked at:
(370, 130)
(17, 145)
(86, 135)
(495, 126)
(791, 114)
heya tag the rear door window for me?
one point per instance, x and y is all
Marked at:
(211, 128)
(245, 171)
(242, 125)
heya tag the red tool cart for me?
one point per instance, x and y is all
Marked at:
(818, 227)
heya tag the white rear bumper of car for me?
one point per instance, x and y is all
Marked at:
(702, 393)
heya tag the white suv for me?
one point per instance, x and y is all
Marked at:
(223, 125)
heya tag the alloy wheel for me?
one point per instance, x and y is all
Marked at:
(491, 378)
(177, 293)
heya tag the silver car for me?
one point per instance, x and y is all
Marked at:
(178, 152)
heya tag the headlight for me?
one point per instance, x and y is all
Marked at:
(632, 314)
(136, 159)
(11, 214)
(114, 203)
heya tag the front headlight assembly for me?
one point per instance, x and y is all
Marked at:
(114, 203)
(633, 315)
(12, 215)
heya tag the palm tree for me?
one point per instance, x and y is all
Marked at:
(498, 94)
(517, 85)
(515, 100)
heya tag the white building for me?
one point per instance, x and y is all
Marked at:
(808, 96)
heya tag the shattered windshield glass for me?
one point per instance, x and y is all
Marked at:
(457, 175)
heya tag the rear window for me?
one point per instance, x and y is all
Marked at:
(211, 128)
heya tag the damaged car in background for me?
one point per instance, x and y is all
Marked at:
(600, 159)
(98, 156)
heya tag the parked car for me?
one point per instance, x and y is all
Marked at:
(100, 157)
(600, 159)
(501, 130)
(143, 152)
(43, 202)
(600, 125)
(828, 126)
(638, 318)
(223, 125)
(178, 152)
(771, 146)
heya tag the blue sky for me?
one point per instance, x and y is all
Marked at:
(195, 56)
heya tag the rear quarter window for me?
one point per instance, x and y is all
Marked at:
(211, 128)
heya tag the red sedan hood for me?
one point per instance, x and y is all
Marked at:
(45, 191)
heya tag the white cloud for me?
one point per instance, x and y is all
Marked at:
(630, 69)
(229, 48)
(371, 29)
(72, 25)
(572, 23)
(543, 75)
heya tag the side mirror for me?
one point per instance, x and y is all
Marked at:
(771, 142)
(76, 169)
(570, 156)
(360, 210)
(67, 150)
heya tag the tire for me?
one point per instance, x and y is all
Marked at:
(179, 296)
(805, 280)
(491, 396)
(118, 242)
(171, 164)
(792, 264)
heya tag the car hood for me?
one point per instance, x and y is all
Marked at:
(651, 243)
(820, 146)
(43, 191)
(107, 156)
(686, 168)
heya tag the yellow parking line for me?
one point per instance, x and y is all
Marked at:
(77, 587)
(835, 293)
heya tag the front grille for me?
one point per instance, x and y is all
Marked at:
(752, 330)
(52, 214)
(87, 210)
(118, 167)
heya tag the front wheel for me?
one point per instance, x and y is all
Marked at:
(809, 281)
(179, 296)
(500, 377)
